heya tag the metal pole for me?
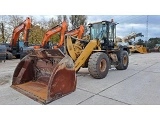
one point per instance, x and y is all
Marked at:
(147, 31)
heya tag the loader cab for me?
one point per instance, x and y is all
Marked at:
(105, 32)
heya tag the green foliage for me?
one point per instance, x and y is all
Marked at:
(141, 42)
(152, 42)
(1, 40)
(55, 38)
(77, 20)
(36, 34)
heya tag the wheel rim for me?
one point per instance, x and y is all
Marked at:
(125, 60)
(103, 65)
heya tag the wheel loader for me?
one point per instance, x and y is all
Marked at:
(127, 40)
(100, 52)
(46, 75)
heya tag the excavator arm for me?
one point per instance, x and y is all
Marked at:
(77, 32)
(24, 26)
(57, 29)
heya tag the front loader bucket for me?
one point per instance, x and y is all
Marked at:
(141, 50)
(45, 75)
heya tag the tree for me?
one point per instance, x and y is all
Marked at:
(61, 18)
(152, 42)
(140, 42)
(36, 34)
(3, 28)
(52, 23)
(43, 23)
(2, 31)
(13, 21)
(77, 20)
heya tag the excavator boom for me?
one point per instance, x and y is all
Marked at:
(62, 30)
(24, 26)
(57, 29)
(77, 32)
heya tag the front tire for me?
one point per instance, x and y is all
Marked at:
(98, 65)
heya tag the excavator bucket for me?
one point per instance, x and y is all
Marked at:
(45, 75)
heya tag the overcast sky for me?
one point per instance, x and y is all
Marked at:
(131, 16)
(131, 23)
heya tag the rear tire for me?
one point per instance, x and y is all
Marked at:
(98, 65)
(123, 60)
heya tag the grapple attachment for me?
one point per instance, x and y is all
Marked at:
(45, 75)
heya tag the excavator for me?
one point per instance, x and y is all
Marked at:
(133, 48)
(57, 29)
(15, 46)
(78, 32)
(62, 29)
(46, 75)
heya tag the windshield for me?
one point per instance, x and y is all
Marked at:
(97, 31)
